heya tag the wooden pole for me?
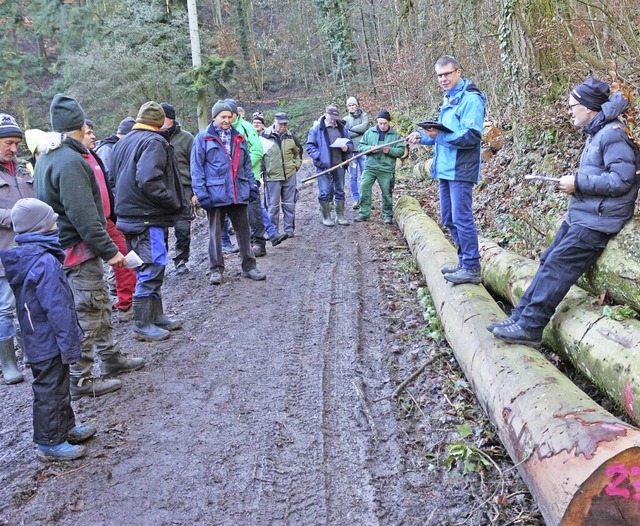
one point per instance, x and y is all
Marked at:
(580, 462)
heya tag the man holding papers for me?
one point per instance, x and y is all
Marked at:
(328, 144)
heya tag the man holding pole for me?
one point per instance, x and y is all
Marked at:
(380, 165)
(328, 145)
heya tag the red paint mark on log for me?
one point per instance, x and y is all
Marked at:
(597, 432)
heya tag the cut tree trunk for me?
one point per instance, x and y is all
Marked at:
(578, 460)
(605, 350)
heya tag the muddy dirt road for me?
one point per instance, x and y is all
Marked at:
(258, 412)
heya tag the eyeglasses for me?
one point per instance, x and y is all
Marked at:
(571, 106)
(447, 74)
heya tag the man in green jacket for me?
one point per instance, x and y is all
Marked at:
(380, 166)
(281, 162)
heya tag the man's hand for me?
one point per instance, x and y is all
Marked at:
(567, 184)
(345, 148)
(385, 150)
(431, 132)
(413, 138)
(117, 261)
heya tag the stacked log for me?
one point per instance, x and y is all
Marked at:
(580, 462)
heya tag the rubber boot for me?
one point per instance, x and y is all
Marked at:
(145, 329)
(340, 214)
(162, 321)
(326, 214)
(10, 371)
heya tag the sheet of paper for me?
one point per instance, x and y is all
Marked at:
(340, 142)
(133, 260)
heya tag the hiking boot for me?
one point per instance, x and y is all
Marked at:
(503, 323)
(80, 434)
(254, 274)
(123, 315)
(215, 277)
(181, 268)
(361, 219)
(356, 205)
(120, 363)
(515, 333)
(259, 250)
(289, 233)
(143, 315)
(230, 249)
(10, 371)
(64, 451)
(464, 275)
(449, 270)
(276, 240)
(161, 320)
(91, 386)
(325, 208)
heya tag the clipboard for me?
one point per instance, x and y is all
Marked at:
(434, 124)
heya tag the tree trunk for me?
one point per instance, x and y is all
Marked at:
(578, 460)
(201, 111)
(605, 350)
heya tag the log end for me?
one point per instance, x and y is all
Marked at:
(611, 495)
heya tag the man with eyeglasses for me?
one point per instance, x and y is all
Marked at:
(456, 164)
(603, 194)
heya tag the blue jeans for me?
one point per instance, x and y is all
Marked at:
(331, 186)
(573, 250)
(356, 167)
(151, 246)
(456, 211)
(7, 309)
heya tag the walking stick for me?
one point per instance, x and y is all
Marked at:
(343, 163)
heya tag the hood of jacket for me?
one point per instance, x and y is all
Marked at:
(611, 110)
(19, 260)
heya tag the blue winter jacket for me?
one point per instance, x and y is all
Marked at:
(219, 179)
(606, 185)
(457, 153)
(317, 144)
(44, 301)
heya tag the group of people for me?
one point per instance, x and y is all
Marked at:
(114, 201)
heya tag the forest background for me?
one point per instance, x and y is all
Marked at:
(300, 55)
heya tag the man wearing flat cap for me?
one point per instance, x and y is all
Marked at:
(224, 184)
(66, 182)
(15, 183)
(326, 153)
(603, 194)
(148, 200)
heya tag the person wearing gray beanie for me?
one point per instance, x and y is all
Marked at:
(65, 114)
(32, 215)
(220, 106)
(357, 122)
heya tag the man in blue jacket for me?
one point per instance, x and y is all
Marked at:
(456, 164)
(603, 195)
(324, 132)
(224, 183)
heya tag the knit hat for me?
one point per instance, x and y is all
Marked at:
(384, 114)
(281, 117)
(32, 215)
(258, 117)
(333, 111)
(34, 137)
(151, 114)
(65, 114)
(221, 105)
(169, 110)
(592, 93)
(9, 127)
(125, 126)
(233, 105)
(352, 100)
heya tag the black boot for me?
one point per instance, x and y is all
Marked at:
(162, 321)
(145, 329)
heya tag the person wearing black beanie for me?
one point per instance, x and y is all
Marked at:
(602, 199)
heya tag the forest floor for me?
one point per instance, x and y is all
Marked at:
(273, 406)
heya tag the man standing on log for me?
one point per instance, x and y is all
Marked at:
(603, 195)
(456, 164)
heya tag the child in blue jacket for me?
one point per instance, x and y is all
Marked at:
(49, 325)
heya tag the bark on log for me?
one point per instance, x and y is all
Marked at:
(605, 350)
(617, 271)
(580, 462)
